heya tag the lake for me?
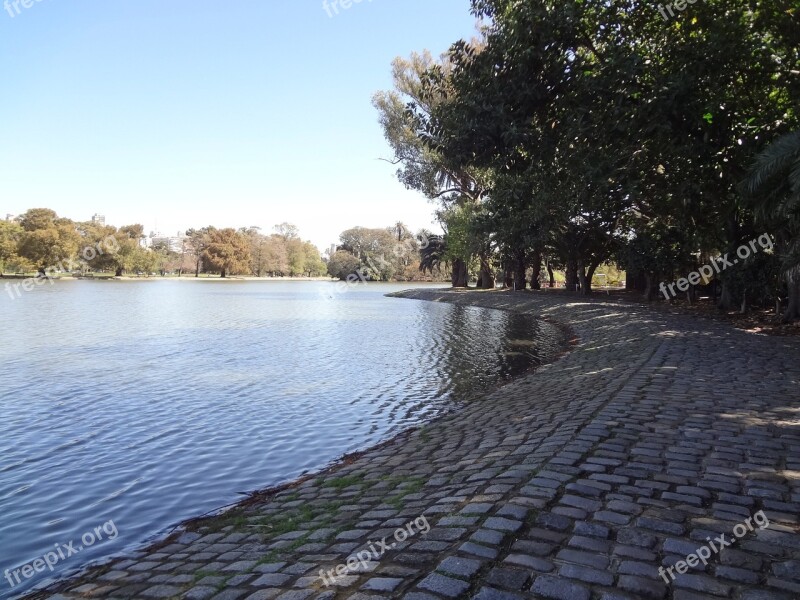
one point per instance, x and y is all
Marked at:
(130, 406)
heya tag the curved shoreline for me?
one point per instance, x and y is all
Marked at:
(260, 496)
(580, 478)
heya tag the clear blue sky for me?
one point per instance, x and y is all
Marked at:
(184, 113)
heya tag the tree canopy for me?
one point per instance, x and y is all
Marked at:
(581, 132)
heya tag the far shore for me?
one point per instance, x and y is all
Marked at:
(108, 277)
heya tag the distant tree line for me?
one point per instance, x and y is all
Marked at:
(574, 133)
(389, 254)
(41, 241)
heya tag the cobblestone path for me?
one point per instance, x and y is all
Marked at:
(655, 436)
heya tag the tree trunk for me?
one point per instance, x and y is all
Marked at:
(119, 272)
(793, 281)
(223, 274)
(536, 262)
(508, 282)
(635, 282)
(485, 277)
(572, 275)
(551, 275)
(585, 287)
(519, 271)
(459, 277)
(649, 286)
(691, 294)
(725, 297)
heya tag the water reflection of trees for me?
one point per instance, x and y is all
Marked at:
(486, 347)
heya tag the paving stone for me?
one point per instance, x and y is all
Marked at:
(532, 562)
(591, 529)
(502, 524)
(642, 587)
(787, 570)
(487, 593)
(296, 595)
(479, 508)
(269, 567)
(487, 536)
(702, 583)
(478, 550)
(586, 543)
(230, 594)
(382, 584)
(508, 578)
(461, 567)
(556, 522)
(161, 591)
(583, 558)
(559, 589)
(586, 574)
(734, 574)
(271, 580)
(680, 547)
(445, 586)
(660, 525)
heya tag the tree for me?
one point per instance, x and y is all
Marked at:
(773, 187)
(595, 129)
(314, 265)
(47, 240)
(433, 254)
(276, 256)
(227, 252)
(258, 249)
(100, 244)
(374, 248)
(130, 256)
(423, 166)
(10, 235)
(197, 244)
(296, 252)
(287, 231)
(343, 264)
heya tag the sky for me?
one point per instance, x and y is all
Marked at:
(186, 113)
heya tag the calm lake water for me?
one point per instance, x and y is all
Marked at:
(148, 402)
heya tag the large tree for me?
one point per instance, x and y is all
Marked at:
(47, 240)
(227, 252)
(601, 130)
(423, 167)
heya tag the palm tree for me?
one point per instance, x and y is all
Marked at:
(773, 187)
(432, 254)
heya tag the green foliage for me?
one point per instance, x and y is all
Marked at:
(46, 239)
(773, 188)
(227, 252)
(343, 264)
(10, 235)
(597, 129)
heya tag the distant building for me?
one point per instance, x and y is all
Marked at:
(99, 219)
(10, 217)
(174, 243)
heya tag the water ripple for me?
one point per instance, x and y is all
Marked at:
(151, 402)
